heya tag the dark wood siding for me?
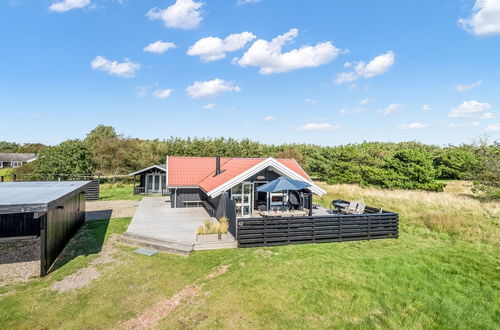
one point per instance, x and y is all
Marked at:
(268, 176)
(58, 227)
(19, 224)
(180, 195)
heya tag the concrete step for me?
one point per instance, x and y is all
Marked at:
(158, 244)
(215, 246)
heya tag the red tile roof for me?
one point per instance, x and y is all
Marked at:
(199, 171)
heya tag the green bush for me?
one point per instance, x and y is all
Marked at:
(69, 159)
(406, 165)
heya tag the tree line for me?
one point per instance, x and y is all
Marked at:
(405, 165)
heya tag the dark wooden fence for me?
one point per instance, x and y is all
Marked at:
(316, 229)
(92, 193)
(19, 224)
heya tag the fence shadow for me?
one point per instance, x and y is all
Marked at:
(88, 240)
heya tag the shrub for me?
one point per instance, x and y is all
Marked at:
(456, 163)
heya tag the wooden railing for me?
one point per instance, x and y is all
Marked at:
(143, 191)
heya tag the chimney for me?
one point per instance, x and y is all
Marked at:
(217, 165)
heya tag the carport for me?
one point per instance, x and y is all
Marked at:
(52, 211)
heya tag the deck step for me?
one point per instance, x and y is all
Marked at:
(215, 246)
(159, 244)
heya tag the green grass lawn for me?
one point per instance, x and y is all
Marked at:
(440, 277)
(118, 191)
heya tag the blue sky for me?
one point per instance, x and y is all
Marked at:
(324, 72)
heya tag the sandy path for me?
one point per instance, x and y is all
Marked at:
(96, 210)
(151, 317)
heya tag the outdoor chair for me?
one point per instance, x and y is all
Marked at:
(293, 200)
(360, 209)
(351, 208)
(355, 208)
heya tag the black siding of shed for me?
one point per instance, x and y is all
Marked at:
(19, 224)
(58, 227)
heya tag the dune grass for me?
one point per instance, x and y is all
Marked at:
(442, 273)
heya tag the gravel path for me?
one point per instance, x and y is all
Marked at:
(96, 210)
(19, 261)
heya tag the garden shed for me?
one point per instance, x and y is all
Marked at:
(52, 211)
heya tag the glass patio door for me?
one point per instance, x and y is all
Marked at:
(246, 202)
(242, 196)
(155, 183)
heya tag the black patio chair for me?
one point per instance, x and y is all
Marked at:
(293, 200)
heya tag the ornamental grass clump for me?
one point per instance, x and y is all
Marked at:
(223, 225)
(208, 228)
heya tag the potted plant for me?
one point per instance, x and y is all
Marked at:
(223, 229)
(208, 233)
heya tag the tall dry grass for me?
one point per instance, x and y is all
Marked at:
(453, 212)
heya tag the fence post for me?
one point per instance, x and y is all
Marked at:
(369, 227)
(1, 178)
(340, 229)
(288, 227)
(313, 229)
(15, 177)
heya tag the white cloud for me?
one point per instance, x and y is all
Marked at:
(310, 101)
(415, 125)
(426, 107)
(352, 111)
(269, 118)
(377, 66)
(183, 14)
(162, 93)
(245, 2)
(268, 56)
(485, 18)
(364, 101)
(493, 127)
(212, 48)
(210, 106)
(464, 125)
(463, 88)
(469, 109)
(159, 47)
(125, 69)
(488, 115)
(66, 5)
(211, 88)
(317, 127)
(391, 108)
